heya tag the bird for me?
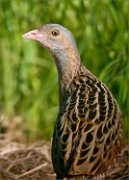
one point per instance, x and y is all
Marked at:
(89, 126)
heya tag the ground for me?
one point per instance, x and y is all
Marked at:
(24, 162)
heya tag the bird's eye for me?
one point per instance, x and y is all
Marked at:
(55, 33)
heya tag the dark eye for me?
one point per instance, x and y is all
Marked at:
(55, 33)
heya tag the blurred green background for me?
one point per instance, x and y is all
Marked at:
(28, 76)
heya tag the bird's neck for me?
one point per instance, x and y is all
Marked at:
(67, 62)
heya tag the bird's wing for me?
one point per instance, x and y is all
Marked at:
(87, 129)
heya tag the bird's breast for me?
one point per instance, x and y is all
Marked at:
(86, 130)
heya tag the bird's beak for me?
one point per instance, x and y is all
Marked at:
(35, 34)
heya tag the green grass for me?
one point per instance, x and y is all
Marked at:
(28, 76)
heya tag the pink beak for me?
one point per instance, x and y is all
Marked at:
(34, 34)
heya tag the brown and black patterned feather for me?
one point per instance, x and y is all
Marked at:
(87, 130)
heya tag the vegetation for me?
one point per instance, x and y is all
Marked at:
(28, 76)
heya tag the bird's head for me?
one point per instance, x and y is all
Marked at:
(53, 36)
(62, 45)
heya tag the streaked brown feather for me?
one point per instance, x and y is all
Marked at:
(90, 126)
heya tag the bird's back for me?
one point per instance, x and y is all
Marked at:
(88, 128)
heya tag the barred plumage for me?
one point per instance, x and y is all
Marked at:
(88, 128)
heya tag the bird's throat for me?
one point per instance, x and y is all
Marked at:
(67, 62)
